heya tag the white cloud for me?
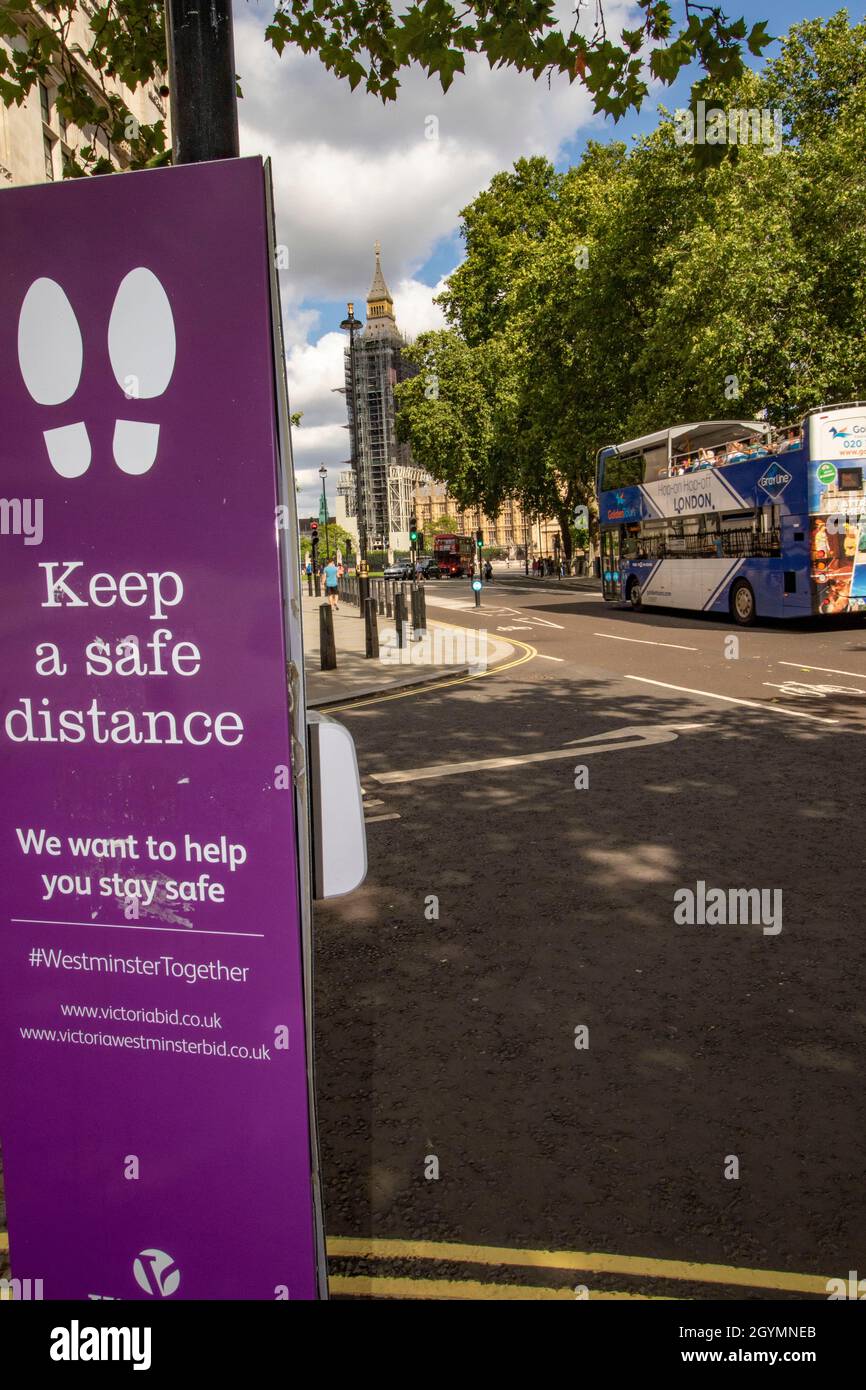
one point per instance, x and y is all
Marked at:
(414, 308)
(349, 170)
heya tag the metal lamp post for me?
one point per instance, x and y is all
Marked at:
(202, 81)
(350, 325)
(323, 473)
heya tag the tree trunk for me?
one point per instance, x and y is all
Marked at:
(564, 519)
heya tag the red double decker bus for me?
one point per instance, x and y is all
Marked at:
(453, 555)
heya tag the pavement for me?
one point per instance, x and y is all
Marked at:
(530, 1075)
(445, 654)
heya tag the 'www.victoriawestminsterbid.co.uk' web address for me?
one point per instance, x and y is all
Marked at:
(161, 967)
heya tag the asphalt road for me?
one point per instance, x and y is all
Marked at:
(711, 1049)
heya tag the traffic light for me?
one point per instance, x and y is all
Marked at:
(479, 539)
(420, 545)
(413, 529)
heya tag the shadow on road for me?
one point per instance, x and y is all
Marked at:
(505, 909)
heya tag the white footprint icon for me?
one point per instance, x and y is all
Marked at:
(51, 355)
(142, 347)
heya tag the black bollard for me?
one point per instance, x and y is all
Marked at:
(310, 583)
(406, 589)
(400, 616)
(371, 628)
(327, 645)
(389, 598)
(417, 620)
(363, 594)
(317, 582)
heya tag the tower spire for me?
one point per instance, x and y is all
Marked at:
(379, 302)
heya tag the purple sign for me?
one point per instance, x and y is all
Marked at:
(154, 1111)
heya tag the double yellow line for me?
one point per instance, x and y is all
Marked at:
(433, 687)
(574, 1261)
(569, 1261)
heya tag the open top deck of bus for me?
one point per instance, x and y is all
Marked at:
(738, 515)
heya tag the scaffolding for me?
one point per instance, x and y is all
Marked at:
(388, 475)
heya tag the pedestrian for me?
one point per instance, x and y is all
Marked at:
(331, 579)
(488, 571)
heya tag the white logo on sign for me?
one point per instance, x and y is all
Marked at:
(156, 1273)
(141, 346)
(775, 480)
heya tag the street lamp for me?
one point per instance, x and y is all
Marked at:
(350, 325)
(323, 473)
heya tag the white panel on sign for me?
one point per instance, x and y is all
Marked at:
(838, 434)
(339, 838)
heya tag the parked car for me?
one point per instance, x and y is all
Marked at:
(401, 569)
(427, 568)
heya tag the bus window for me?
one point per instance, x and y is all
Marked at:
(630, 542)
(622, 472)
(656, 463)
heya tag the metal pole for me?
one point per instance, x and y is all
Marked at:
(325, 510)
(202, 80)
(350, 324)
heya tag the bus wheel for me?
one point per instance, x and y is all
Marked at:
(634, 594)
(743, 603)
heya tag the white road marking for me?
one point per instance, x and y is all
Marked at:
(632, 737)
(830, 670)
(732, 700)
(525, 618)
(542, 657)
(371, 820)
(645, 641)
(792, 687)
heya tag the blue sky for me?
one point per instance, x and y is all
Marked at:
(349, 171)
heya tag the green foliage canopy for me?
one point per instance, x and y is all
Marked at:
(637, 290)
(368, 43)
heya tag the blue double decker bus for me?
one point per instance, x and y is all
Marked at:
(735, 516)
